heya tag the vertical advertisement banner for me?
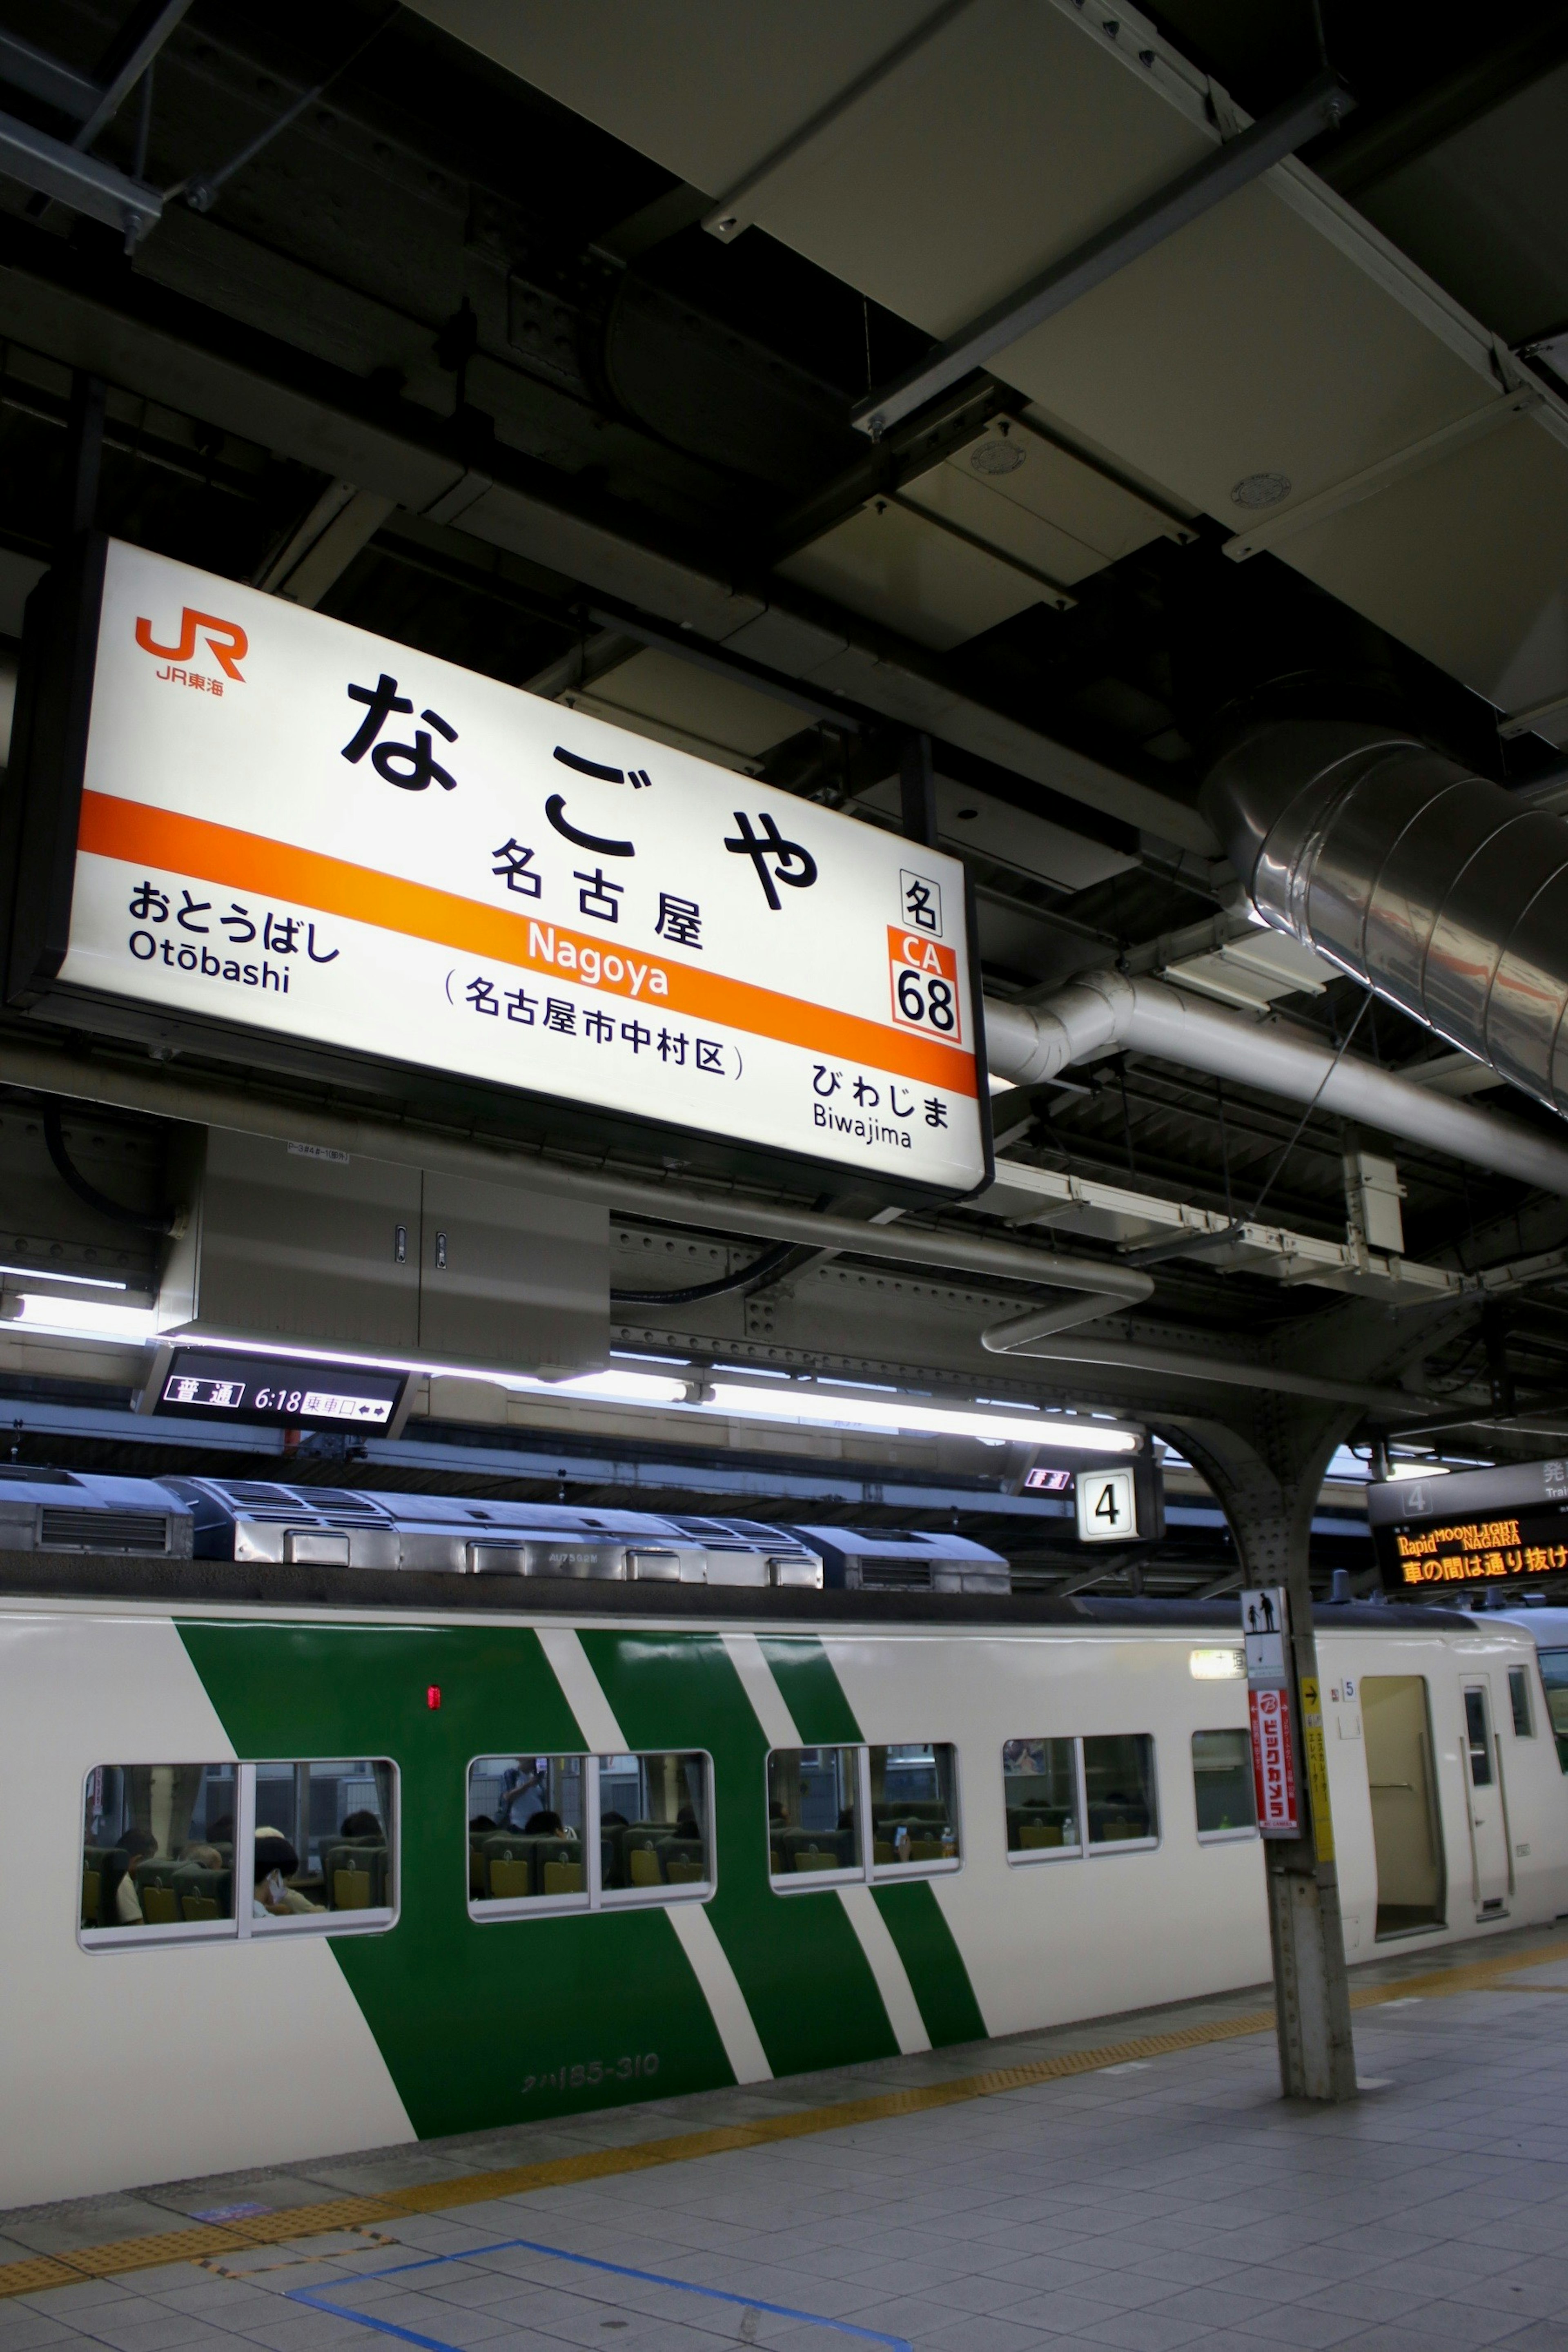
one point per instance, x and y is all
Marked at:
(1274, 1762)
(1265, 1625)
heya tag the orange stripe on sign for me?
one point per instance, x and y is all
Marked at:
(141, 835)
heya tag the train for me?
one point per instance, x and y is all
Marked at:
(325, 1845)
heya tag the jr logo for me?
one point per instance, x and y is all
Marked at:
(226, 641)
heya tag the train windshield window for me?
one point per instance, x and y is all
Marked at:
(1554, 1675)
(158, 1849)
(1044, 1808)
(325, 1846)
(1119, 1788)
(1222, 1784)
(813, 1813)
(525, 1831)
(654, 1832)
(914, 1806)
(1519, 1701)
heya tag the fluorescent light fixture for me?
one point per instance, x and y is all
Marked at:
(1216, 1665)
(49, 1274)
(86, 1318)
(621, 1388)
(788, 1401)
(921, 1420)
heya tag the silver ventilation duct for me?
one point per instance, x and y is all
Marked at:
(1431, 886)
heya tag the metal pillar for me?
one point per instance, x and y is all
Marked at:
(1271, 1519)
(84, 457)
(918, 791)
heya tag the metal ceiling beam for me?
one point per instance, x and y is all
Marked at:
(45, 78)
(54, 170)
(127, 59)
(1321, 106)
(147, 340)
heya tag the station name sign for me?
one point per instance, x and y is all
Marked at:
(1484, 1527)
(278, 824)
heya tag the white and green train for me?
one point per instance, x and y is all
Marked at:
(309, 1855)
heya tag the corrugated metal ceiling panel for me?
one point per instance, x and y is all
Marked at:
(1279, 335)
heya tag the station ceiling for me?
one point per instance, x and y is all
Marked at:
(544, 339)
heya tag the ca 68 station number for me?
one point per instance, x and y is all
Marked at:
(924, 978)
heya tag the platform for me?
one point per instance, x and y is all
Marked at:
(1135, 2182)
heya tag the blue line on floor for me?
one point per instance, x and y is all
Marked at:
(318, 2297)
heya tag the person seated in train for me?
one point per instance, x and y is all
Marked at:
(363, 1825)
(480, 1824)
(543, 1824)
(275, 1863)
(206, 1857)
(687, 1823)
(137, 1845)
(612, 1819)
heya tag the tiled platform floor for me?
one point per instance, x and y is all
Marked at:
(1168, 2202)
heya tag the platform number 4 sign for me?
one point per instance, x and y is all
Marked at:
(1107, 1511)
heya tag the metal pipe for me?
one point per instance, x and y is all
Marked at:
(1101, 1284)
(1104, 1010)
(1441, 891)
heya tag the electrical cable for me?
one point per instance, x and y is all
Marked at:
(1158, 1250)
(86, 1192)
(757, 1271)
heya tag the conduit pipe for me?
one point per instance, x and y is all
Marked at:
(1104, 1010)
(1099, 1285)
(1442, 892)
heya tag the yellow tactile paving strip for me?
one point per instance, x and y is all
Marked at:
(202, 2240)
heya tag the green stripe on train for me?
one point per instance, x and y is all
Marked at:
(471, 2020)
(796, 1959)
(809, 1685)
(932, 1961)
(810, 1689)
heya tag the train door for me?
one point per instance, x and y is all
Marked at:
(1406, 1828)
(1489, 1818)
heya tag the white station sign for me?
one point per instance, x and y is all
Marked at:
(291, 825)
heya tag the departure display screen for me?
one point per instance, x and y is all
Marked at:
(276, 1392)
(1473, 1551)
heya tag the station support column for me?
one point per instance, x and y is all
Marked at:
(1270, 1520)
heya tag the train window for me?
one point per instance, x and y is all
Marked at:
(158, 1847)
(526, 1819)
(914, 1799)
(1222, 1784)
(1044, 1803)
(655, 1837)
(312, 1845)
(1518, 1700)
(1555, 1680)
(1119, 1790)
(820, 1799)
(326, 1848)
(551, 1834)
(813, 1814)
